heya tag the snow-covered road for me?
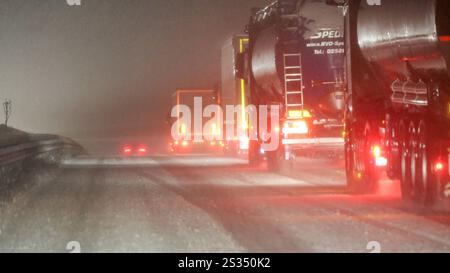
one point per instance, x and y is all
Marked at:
(212, 204)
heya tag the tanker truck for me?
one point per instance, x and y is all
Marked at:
(398, 95)
(295, 60)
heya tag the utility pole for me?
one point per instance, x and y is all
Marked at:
(7, 107)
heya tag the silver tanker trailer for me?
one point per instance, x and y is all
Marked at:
(398, 94)
(295, 60)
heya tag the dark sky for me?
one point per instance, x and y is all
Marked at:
(109, 67)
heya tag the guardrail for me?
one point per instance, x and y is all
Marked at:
(34, 148)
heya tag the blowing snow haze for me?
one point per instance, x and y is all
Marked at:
(108, 68)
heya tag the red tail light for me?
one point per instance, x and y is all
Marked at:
(295, 127)
(127, 150)
(380, 160)
(439, 166)
(142, 150)
(376, 150)
(444, 38)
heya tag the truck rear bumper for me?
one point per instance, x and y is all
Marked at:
(315, 145)
(319, 142)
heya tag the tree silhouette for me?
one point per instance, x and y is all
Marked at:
(7, 107)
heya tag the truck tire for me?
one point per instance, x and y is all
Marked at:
(349, 160)
(423, 181)
(413, 152)
(405, 179)
(393, 167)
(254, 157)
(370, 176)
(361, 174)
(277, 163)
(273, 162)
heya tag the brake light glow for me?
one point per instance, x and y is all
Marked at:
(359, 175)
(127, 150)
(444, 38)
(295, 127)
(244, 143)
(380, 160)
(142, 150)
(439, 166)
(301, 126)
(295, 114)
(376, 150)
(306, 114)
(298, 114)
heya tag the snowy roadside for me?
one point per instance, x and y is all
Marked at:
(20, 175)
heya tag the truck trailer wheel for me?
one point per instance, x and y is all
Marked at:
(276, 161)
(254, 157)
(349, 161)
(406, 170)
(392, 148)
(360, 168)
(422, 182)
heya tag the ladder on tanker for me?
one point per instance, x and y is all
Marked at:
(293, 82)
